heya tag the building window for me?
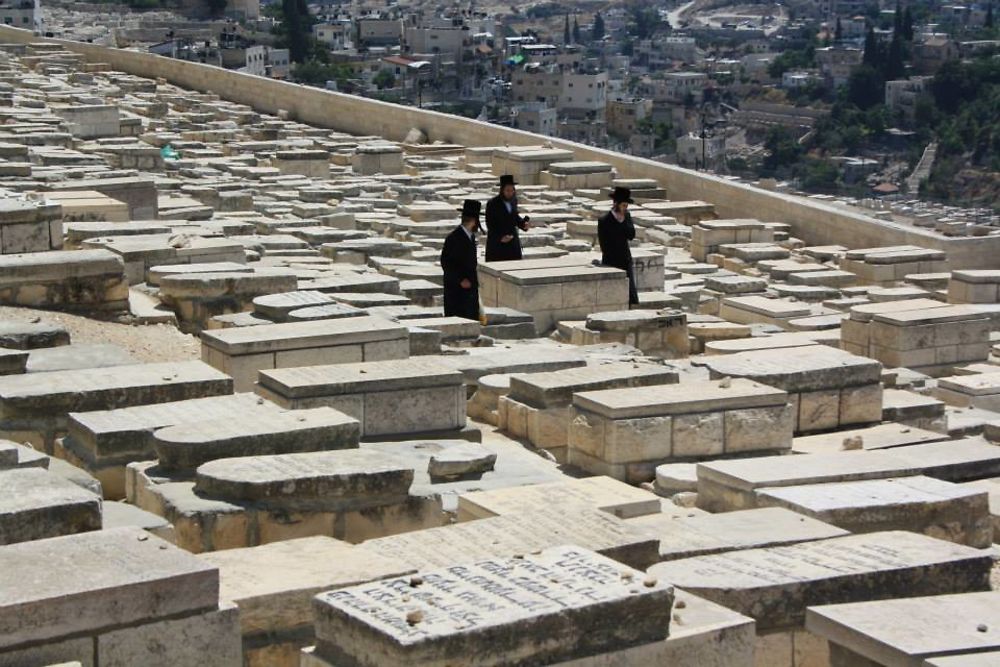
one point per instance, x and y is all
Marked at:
(7, 20)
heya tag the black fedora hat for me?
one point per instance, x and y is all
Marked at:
(507, 179)
(471, 208)
(620, 194)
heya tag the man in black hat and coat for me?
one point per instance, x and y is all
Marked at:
(502, 223)
(458, 259)
(614, 231)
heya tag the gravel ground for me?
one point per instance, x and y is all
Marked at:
(148, 343)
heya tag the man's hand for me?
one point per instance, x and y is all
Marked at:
(466, 283)
(527, 223)
(507, 238)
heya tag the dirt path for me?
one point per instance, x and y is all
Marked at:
(156, 342)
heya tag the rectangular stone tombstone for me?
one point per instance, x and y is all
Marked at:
(537, 609)
(517, 534)
(95, 582)
(421, 394)
(34, 407)
(918, 504)
(351, 479)
(908, 631)
(187, 446)
(775, 585)
(602, 493)
(703, 534)
(37, 504)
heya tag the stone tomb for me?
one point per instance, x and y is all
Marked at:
(113, 598)
(35, 407)
(724, 486)
(977, 391)
(701, 534)
(626, 433)
(655, 332)
(514, 534)
(761, 310)
(871, 634)
(918, 504)
(932, 340)
(493, 610)
(103, 442)
(388, 398)
(552, 293)
(188, 445)
(64, 280)
(974, 286)
(708, 235)
(37, 504)
(828, 388)
(29, 226)
(198, 297)
(538, 406)
(274, 584)
(888, 265)
(775, 585)
(602, 493)
(855, 329)
(243, 351)
(349, 494)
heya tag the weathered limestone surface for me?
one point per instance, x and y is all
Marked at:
(103, 442)
(74, 591)
(188, 445)
(64, 280)
(626, 433)
(374, 625)
(828, 388)
(243, 351)
(35, 407)
(386, 397)
(37, 504)
(918, 504)
(602, 493)
(517, 534)
(704, 534)
(538, 405)
(775, 585)
(941, 625)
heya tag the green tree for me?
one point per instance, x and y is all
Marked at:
(820, 175)
(296, 22)
(317, 73)
(566, 37)
(576, 31)
(783, 151)
(838, 32)
(989, 15)
(384, 79)
(597, 31)
(894, 67)
(907, 24)
(872, 53)
(865, 87)
(216, 7)
(643, 19)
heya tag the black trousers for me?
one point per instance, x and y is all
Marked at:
(459, 302)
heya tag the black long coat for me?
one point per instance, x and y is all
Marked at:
(458, 259)
(500, 223)
(615, 251)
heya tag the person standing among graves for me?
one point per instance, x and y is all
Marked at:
(458, 259)
(614, 231)
(502, 223)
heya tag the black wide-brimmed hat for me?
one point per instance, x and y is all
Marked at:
(507, 179)
(622, 194)
(471, 208)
